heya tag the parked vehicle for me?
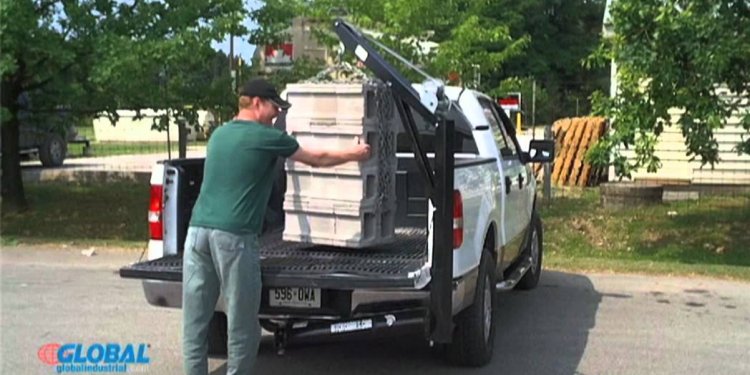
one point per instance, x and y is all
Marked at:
(49, 145)
(46, 136)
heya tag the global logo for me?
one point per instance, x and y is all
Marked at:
(48, 354)
(97, 357)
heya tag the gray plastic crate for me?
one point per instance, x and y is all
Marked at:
(326, 222)
(356, 101)
(364, 186)
(326, 100)
(350, 204)
(338, 134)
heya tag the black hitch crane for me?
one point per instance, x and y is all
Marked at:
(432, 106)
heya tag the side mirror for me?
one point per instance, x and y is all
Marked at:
(540, 151)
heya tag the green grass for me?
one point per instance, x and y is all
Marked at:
(112, 214)
(708, 237)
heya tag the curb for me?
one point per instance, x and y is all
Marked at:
(83, 176)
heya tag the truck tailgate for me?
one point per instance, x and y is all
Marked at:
(286, 263)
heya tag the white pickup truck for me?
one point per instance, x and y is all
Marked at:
(443, 279)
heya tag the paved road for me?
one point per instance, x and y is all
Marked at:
(571, 324)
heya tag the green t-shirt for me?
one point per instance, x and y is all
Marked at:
(238, 176)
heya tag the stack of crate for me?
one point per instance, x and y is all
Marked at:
(354, 204)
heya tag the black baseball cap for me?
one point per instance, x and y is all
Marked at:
(261, 88)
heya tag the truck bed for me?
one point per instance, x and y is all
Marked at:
(285, 263)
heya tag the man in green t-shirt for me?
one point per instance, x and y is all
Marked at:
(221, 248)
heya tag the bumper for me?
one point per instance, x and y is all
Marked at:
(349, 303)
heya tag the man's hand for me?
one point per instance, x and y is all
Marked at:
(360, 152)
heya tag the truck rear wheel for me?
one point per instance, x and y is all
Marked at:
(474, 336)
(217, 335)
(53, 151)
(533, 250)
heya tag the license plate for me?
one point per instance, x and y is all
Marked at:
(294, 297)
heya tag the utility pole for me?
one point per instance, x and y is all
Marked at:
(548, 169)
(533, 108)
(165, 85)
(477, 76)
(238, 69)
(231, 52)
(232, 72)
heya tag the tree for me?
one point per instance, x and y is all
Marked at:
(469, 41)
(673, 54)
(92, 56)
(509, 44)
(561, 35)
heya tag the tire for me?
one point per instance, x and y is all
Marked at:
(217, 335)
(53, 151)
(474, 336)
(534, 249)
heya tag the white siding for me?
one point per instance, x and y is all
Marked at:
(676, 165)
(130, 129)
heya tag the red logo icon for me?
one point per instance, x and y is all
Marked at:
(48, 353)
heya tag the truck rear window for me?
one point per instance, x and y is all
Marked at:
(464, 142)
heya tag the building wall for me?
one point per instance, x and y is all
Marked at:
(303, 44)
(676, 165)
(732, 168)
(130, 129)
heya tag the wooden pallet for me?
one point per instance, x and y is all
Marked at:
(572, 142)
(562, 144)
(573, 138)
(597, 132)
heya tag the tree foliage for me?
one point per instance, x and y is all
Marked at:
(93, 56)
(674, 55)
(506, 44)
(562, 34)
(469, 42)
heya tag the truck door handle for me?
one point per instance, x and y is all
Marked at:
(508, 182)
(520, 181)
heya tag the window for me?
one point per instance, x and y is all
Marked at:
(504, 144)
(508, 129)
(462, 144)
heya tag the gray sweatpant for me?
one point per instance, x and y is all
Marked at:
(216, 261)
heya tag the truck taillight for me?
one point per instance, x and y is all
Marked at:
(458, 220)
(155, 227)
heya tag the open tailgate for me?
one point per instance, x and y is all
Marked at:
(284, 263)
